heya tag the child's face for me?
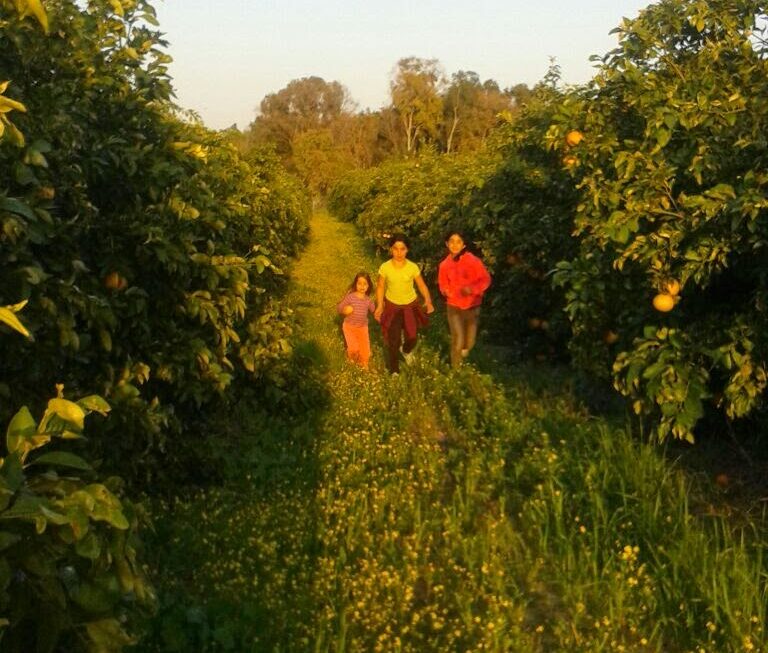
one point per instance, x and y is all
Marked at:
(361, 285)
(399, 251)
(455, 244)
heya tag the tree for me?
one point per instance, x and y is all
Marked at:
(304, 104)
(319, 160)
(470, 110)
(415, 91)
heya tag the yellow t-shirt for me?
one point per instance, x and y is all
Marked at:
(399, 284)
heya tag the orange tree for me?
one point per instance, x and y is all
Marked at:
(673, 172)
(152, 254)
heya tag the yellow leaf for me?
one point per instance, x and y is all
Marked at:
(69, 411)
(35, 8)
(7, 105)
(9, 317)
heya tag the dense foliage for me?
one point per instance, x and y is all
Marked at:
(673, 174)
(152, 253)
(148, 257)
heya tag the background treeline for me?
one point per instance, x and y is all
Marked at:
(142, 260)
(623, 221)
(316, 129)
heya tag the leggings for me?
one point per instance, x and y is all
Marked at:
(463, 325)
(358, 343)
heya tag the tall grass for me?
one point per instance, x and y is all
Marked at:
(444, 511)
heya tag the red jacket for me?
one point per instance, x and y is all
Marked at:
(464, 271)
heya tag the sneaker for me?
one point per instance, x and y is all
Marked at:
(464, 353)
(408, 358)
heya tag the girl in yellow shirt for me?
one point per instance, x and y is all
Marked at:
(397, 305)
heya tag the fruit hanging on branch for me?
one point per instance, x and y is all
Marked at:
(113, 281)
(574, 137)
(663, 302)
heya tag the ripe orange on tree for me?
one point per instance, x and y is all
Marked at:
(574, 137)
(113, 281)
(663, 302)
(609, 337)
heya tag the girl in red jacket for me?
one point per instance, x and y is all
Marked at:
(463, 279)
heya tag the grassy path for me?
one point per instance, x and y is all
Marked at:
(439, 511)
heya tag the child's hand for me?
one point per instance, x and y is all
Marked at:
(430, 308)
(377, 314)
(347, 310)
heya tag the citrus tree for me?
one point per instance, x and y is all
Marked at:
(671, 164)
(152, 254)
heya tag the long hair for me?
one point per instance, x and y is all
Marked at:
(361, 275)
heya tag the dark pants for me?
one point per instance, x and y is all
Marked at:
(395, 335)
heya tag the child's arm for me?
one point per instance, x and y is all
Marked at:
(343, 307)
(425, 293)
(380, 285)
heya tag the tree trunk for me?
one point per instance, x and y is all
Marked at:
(449, 144)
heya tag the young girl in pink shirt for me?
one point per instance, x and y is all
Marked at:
(355, 307)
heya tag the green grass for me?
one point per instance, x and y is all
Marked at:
(446, 511)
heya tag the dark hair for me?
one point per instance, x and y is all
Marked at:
(361, 275)
(398, 238)
(455, 232)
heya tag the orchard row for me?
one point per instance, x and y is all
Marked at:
(623, 221)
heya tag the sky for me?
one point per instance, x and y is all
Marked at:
(229, 54)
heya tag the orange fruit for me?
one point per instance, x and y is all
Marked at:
(672, 287)
(574, 137)
(609, 337)
(569, 160)
(112, 281)
(663, 302)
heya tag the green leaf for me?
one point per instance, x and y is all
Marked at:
(89, 547)
(13, 205)
(107, 636)
(94, 403)
(62, 459)
(26, 507)
(11, 477)
(8, 539)
(21, 429)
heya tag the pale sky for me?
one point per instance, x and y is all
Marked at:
(229, 54)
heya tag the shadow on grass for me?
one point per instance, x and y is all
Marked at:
(228, 554)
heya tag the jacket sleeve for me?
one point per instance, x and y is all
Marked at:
(442, 280)
(482, 278)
